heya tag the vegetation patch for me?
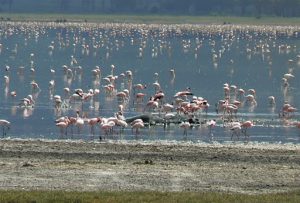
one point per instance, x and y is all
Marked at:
(148, 19)
(139, 196)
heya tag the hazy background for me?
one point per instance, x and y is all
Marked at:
(257, 8)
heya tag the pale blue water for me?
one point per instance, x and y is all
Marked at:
(262, 68)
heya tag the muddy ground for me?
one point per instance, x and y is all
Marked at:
(89, 166)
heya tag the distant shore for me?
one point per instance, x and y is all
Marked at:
(149, 19)
(136, 166)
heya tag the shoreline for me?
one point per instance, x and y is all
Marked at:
(148, 19)
(229, 144)
(138, 166)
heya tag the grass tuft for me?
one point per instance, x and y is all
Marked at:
(13, 196)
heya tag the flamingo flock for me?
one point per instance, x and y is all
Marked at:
(140, 104)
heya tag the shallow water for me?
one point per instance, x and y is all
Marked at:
(204, 59)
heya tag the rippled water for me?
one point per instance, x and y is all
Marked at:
(204, 59)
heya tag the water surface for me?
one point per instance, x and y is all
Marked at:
(204, 58)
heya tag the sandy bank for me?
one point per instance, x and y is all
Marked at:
(89, 166)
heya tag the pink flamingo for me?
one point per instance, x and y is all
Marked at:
(139, 86)
(159, 96)
(297, 124)
(72, 122)
(211, 124)
(245, 125)
(27, 101)
(137, 124)
(139, 97)
(92, 122)
(151, 104)
(79, 122)
(106, 126)
(287, 109)
(122, 96)
(63, 124)
(122, 123)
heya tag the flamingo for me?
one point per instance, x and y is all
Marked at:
(151, 104)
(122, 96)
(137, 124)
(122, 123)
(252, 91)
(79, 122)
(66, 92)
(271, 100)
(13, 93)
(92, 122)
(297, 124)
(5, 126)
(27, 101)
(156, 86)
(57, 101)
(167, 118)
(185, 125)
(129, 75)
(211, 124)
(172, 73)
(240, 93)
(112, 69)
(285, 83)
(106, 126)
(35, 86)
(139, 86)
(6, 79)
(245, 125)
(96, 72)
(287, 109)
(250, 99)
(139, 97)
(236, 129)
(159, 96)
(288, 76)
(63, 125)
(226, 89)
(168, 107)
(51, 85)
(183, 93)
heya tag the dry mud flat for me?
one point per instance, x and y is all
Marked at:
(88, 166)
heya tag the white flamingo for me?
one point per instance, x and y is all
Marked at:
(5, 126)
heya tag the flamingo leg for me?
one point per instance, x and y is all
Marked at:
(61, 131)
(92, 130)
(185, 132)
